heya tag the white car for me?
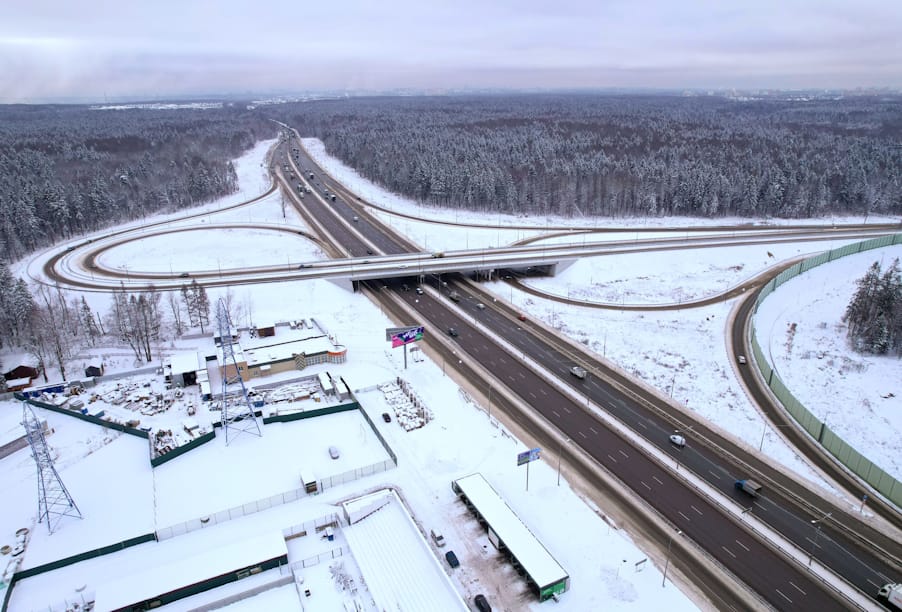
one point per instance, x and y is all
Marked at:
(578, 371)
(678, 440)
(741, 359)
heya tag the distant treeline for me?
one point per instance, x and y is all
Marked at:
(622, 156)
(65, 170)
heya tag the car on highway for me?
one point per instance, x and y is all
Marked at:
(678, 440)
(452, 331)
(521, 316)
(386, 417)
(578, 371)
(480, 306)
(451, 558)
(419, 291)
(741, 359)
(184, 275)
(482, 604)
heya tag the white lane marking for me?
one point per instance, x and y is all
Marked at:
(688, 520)
(554, 412)
(797, 588)
(783, 596)
(696, 509)
(743, 545)
(728, 551)
(624, 454)
(713, 474)
(645, 485)
(583, 435)
(612, 458)
(658, 480)
(592, 429)
(641, 424)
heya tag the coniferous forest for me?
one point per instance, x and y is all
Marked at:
(623, 156)
(66, 170)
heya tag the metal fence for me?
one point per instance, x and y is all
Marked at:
(844, 452)
(269, 502)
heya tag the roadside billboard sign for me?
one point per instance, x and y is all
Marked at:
(404, 335)
(527, 456)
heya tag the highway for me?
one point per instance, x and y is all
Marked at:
(783, 584)
(507, 352)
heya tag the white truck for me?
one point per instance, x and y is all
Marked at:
(890, 595)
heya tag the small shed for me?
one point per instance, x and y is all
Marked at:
(95, 368)
(266, 332)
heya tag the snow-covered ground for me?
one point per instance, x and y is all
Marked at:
(680, 352)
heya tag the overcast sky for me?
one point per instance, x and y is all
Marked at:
(97, 49)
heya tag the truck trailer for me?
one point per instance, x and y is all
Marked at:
(749, 486)
(890, 595)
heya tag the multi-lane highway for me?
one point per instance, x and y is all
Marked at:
(783, 584)
(495, 340)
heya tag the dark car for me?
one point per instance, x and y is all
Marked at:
(482, 604)
(452, 331)
(184, 275)
(451, 558)
(386, 417)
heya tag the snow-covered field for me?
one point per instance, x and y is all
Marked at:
(680, 352)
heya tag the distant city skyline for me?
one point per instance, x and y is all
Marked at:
(96, 51)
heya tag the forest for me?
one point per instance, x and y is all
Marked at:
(874, 314)
(68, 170)
(622, 156)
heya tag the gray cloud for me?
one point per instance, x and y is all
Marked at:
(93, 48)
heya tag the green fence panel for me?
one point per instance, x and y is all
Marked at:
(90, 419)
(91, 554)
(813, 262)
(184, 448)
(309, 414)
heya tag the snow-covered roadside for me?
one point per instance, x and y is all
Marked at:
(682, 353)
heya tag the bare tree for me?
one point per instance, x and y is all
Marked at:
(55, 339)
(175, 307)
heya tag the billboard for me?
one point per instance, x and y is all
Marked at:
(406, 336)
(527, 456)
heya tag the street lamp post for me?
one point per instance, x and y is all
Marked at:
(816, 534)
(667, 562)
(560, 451)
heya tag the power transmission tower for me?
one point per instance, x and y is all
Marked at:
(237, 413)
(54, 501)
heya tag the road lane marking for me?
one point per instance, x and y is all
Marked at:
(612, 458)
(717, 476)
(641, 424)
(543, 392)
(797, 588)
(743, 545)
(658, 480)
(567, 410)
(728, 551)
(696, 509)
(624, 454)
(583, 435)
(645, 485)
(688, 520)
(554, 412)
(592, 429)
(783, 596)
(532, 395)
